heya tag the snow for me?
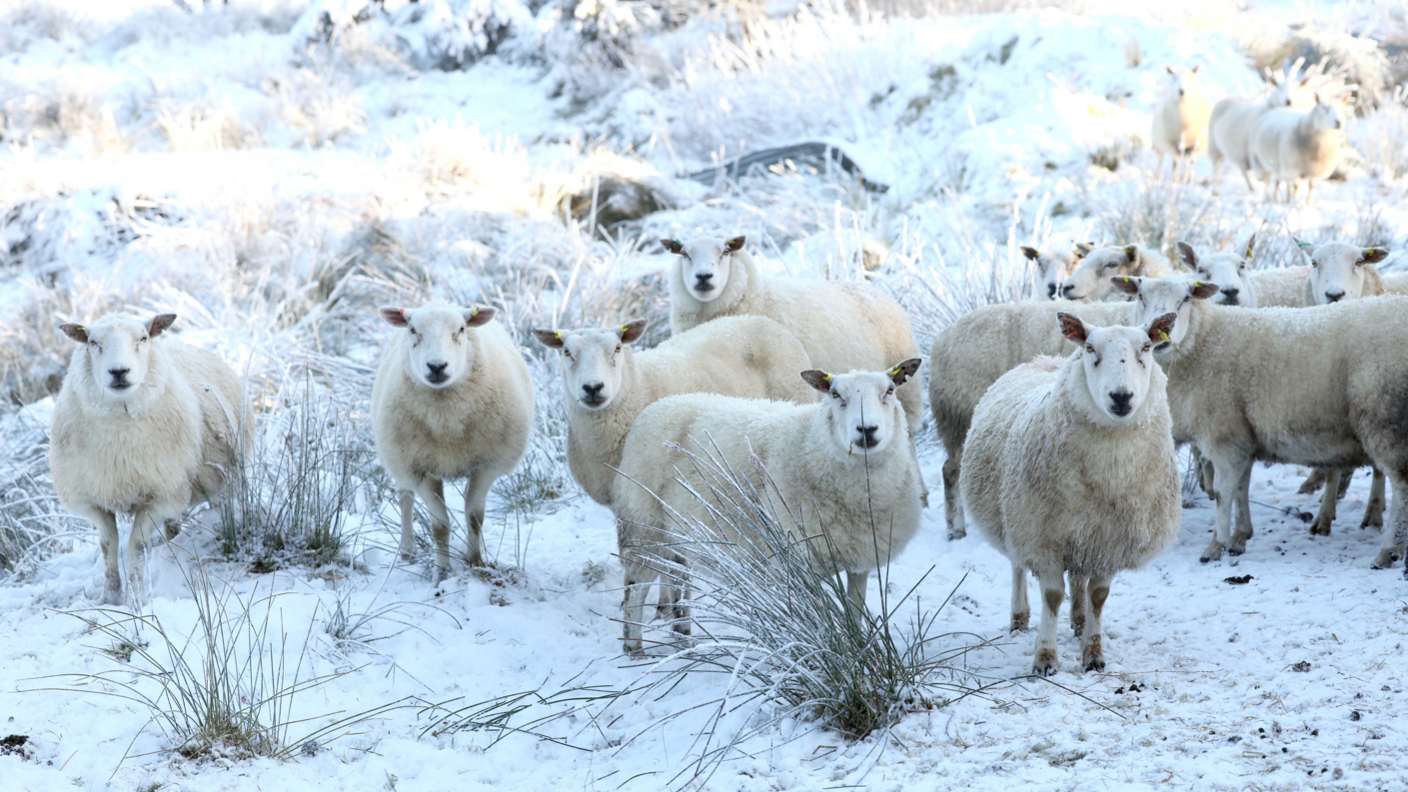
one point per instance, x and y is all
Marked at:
(274, 192)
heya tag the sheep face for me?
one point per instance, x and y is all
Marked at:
(440, 352)
(119, 350)
(1051, 268)
(1091, 279)
(863, 413)
(1118, 363)
(1179, 83)
(592, 361)
(1158, 297)
(1337, 271)
(704, 264)
(1227, 270)
(1280, 96)
(1324, 117)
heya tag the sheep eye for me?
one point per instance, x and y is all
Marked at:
(1090, 349)
(1314, 263)
(567, 353)
(618, 349)
(891, 391)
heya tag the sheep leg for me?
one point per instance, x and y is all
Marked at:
(1310, 192)
(1374, 512)
(476, 496)
(106, 522)
(914, 453)
(1225, 490)
(1247, 174)
(432, 491)
(1079, 603)
(1021, 610)
(953, 499)
(1314, 481)
(1344, 484)
(637, 577)
(856, 583)
(1326, 517)
(145, 523)
(1053, 591)
(408, 534)
(679, 596)
(1092, 644)
(1396, 535)
(1243, 530)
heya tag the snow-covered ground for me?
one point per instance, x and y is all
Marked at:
(273, 192)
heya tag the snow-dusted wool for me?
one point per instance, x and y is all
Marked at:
(1090, 281)
(1180, 120)
(1070, 469)
(1310, 386)
(452, 400)
(1231, 126)
(1289, 145)
(143, 424)
(843, 467)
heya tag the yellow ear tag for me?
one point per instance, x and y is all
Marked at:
(1126, 278)
(892, 372)
(557, 334)
(625, 328)
(473, 312)
(826, 377)
(1197, 284)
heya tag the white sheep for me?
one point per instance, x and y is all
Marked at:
(1054, 267)
(452, 399)
(1070, 469)
(843, 326)
(1091, 279)
(1231, 126)
(1310, 386)
(970, 355)
(1279, 287)
(143, 424)
(1227, 270)
(1180, 122)
(1289, 145)
(841, 468)
(607, 382)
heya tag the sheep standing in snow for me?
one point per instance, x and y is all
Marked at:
(143, 424)
(1180, 123)
(1091, 279)
(452, 399)
(1053, 267)
(970, 355)
(841, 467)
(1310, 386)
(843, 326)
(1289, 145)
(1070, 470)
(1231, 126)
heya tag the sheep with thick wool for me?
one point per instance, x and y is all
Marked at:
(1180, 121)
(841, 468)
(452, 399)
(1090, 281)
(1309, 386)
(1053, 267)
(843, 326)
(1289, 145)
(1231, 125)
(1279, 287)
(1070, 470)
(143, 424)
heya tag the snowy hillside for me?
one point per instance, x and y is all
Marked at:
(273, 171)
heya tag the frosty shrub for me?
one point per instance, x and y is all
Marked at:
(1381, 137)
(432, 34)
(33, 523)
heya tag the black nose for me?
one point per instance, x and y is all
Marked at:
(704, 282)
(437, 371)
(1051, 291)
(591, 394)
(1119, 402)
(1230, 296)
(867, 436)
(1180, 91)
(1334, 296)
(119, 378)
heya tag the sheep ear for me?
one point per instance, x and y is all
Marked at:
(1072, 327)
(1126, 284)
(1305, 82)
(631, 331)
(1083, 249)
(1031, 252)
(1187, 255)
(1317, 97)
(818, 379)
(77, 332)
(396, 317)
(1202, 291)
(1251, 244)
(673, 245)
(1131, 253)
(1169, 69)
(1161, 327)
(159, 323)
(734, 245)
(1194, 70)
(474, 317)
(552, 339)
(901, 373)
(1373, 255)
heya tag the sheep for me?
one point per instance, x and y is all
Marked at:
(973, 352)
(840, 467)
(1180, 122)
(142, 424)
(452, 399)
(1279, 287)
(1071, 470)
(1310, 386)
(843, 326)
(1231, 126)
(1227, 270)
(1054, 267)
(1288, 145)
(1091, 278)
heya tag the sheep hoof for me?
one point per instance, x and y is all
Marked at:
(683, 628)
(1320, 527)
(112, 597)
(1045, 664)
(1093, 654)
(441, 575)
(1312, 483)
(1019, 623)
(1077, 627)
(1385, 559)
(1373, 521)
(956, 534)
(1212, 553)
(1095, 663)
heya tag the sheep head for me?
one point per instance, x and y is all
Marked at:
(118, 349)
(440, 351)
(863, 416)
(593, 360)
(1117, 364)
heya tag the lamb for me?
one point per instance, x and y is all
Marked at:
(1227, 270)
(1231, 126)
(1310, 386)
(1071, 470)
(1180, 122)
(1288, 145)
(841, 467)
(1091, 278)
(452, 399)
(1052, 268)
(143, 424)
(973, 352)
(843, 326)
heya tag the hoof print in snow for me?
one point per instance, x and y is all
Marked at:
(1238, 580)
